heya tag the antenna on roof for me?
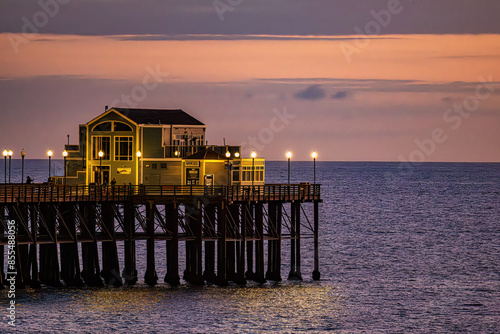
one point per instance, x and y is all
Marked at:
(224, 139)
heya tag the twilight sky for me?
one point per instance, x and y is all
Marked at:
(363, 80)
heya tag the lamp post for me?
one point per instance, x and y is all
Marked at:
(10, 158)
(22, 165)
(289, 155)
(228, 155)
(101, 154)
(49, 153)
(65, 154)
(5, 153)
(138, 154)
(314, 155)
(253, 165)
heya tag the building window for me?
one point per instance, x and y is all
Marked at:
(119, 126)
(106, 126)
(101, 143)
(163, 165)
(154, 166)
(123, 148)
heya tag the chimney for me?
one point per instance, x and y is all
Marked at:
(105, 108)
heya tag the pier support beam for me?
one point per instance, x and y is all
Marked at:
(249, 234)
(19, 213)
(130, 270)
(221, 244)
(49, 264)
(274, 244)
(259, 244)
(150, 278)
(233, 232)
(194, 267)
(110, 266)
(208, 224)
(70, 262)
(316, 274)
(241, 258)
(171, 217)
(35, 281)
(295, 243)
(90, 256)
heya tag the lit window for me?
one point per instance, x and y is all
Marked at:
(101, 143)
(123, 148)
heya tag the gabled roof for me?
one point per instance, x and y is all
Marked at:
(159, 116)
(206, 155)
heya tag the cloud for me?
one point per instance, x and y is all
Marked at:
(313, 92)
(257, 17)
(340, 95)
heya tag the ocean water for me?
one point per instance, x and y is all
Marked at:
(403, 249)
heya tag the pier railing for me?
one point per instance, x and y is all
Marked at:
(36, 193)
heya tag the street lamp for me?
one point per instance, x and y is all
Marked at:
(228, 155)
(49, 153)
(289, 155)
(253, 165)
(5, 153)
(22, 168)
(65, 154)
(10, 158)
(314, 155)
(101, 154)
(138, 154)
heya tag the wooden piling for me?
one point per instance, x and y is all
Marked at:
(130, 270)
(90, 255)
(35, 280)
(49, 264)
(222, 244)
(110, 265)
(150, 277)
(209, 221)
(171, 216)
(316, 274)
(68, 250)
(259, 244)
(250, 233)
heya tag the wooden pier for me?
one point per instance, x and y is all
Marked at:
(224, 229)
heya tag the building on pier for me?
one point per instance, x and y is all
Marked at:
(179, 192)
(153, 147)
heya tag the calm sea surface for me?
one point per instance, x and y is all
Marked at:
(402, 250)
